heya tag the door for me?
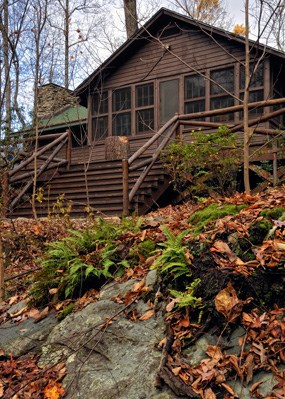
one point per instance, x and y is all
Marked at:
(168, 100)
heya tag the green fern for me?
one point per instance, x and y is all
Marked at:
(172, 259)
(187, 298)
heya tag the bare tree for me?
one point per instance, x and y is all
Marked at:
(131, 18)
(212, 12)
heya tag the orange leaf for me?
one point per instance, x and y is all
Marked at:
(138, 286)
(147, 315)
(209, 394)
(176, 370)
(53, 391)
(226, 300)
(229, 389)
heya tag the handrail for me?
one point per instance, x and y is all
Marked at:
(174, 123)
(60, 140)
(38, 153)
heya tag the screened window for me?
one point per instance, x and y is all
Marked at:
(145, 108)
(100, 127)
(194, 106)
(100, 110)
(257, 77)
(121, 107)
(194, 94)
(194, 87)
(144, 95)
(254, 96)
(222, 102)
(100, 103)
(121, 125)
(224, 79)
(144, 120)
(122, 99)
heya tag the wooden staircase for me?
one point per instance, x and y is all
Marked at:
(95, 188)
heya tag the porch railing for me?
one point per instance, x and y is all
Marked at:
(50, 161)
(172, 127)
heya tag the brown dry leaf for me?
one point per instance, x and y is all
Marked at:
(184, 322)
(20, 312)
(209, 394)
(53, 391)
(214, 352)
(254, 387)
(147, 315)
(42, 314)
(222, 247)
(176, 370)
(258, 348)
(162, 342)
(13, 299)
(53, 291)
(1, 389)
(229, 389)
(34, 313)
(169, 307)
(138, 286)
(249, 364)
(225, 301)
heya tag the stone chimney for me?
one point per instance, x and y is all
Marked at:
(51, 98)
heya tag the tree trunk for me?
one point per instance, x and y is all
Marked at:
(7, 89)
(131, 18)
(245, 106)
(66, 45)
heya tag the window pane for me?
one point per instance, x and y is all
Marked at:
(100, 128)
(144, 95)
(253, 97)
(222, 102)
(256, 79)
(194, 106)
(100, 103)
(194, 87)
(122, 99)
(225, 78)
(122, 124)
(145, 120)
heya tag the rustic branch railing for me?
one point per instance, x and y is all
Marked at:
(173, 125)
(59, 140)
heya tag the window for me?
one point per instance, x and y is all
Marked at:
(194, 94)
(144, 108)
(121, 107)
(256, 78)
(222, 79)
(100, 115)
(256, 92)
(225, 79)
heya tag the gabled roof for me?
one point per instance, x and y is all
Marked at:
(157, 22)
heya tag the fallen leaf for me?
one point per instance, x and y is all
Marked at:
(53, 291)
(138, 286)
(254, 387)
(209, 394)
(42, 314)
(53, 391)
(229, 389)
(226, 300)
(147, 315)
(1, 389)
(176, 370)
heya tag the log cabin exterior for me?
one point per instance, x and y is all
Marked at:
(169, 69)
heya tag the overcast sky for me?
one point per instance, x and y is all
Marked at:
(236, 9)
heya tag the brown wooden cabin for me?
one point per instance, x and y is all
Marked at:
(153, 86)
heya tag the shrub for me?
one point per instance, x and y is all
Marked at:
(207, 165)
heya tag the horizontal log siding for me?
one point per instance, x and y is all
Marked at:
(153, 62)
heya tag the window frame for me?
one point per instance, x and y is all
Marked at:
(99, 115)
